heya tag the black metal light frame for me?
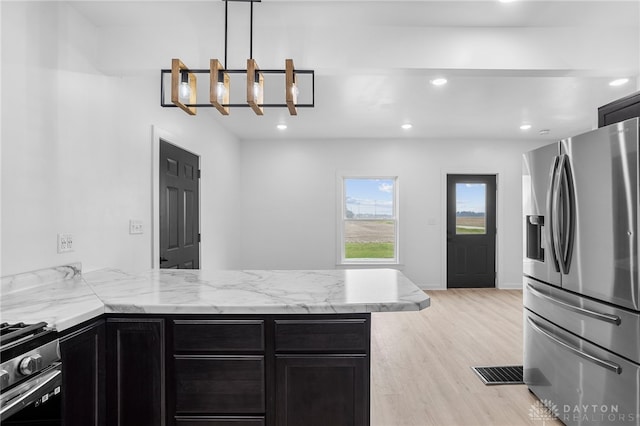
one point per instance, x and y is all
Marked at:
(238, 71)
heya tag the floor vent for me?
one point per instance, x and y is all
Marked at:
(509, 375)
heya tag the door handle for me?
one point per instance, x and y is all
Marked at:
(552, 223)
(163, 259)
(29, 391)
(565, 186)
(600, 362)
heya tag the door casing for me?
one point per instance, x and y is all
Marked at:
(157, 135)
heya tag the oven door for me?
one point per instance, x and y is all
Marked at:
(37, 401)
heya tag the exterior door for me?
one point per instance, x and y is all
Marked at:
(179, 207)
(471, 231)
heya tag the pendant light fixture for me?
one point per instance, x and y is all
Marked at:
(184, 88)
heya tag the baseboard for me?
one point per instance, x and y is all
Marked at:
(441, 286)
(432, 286)
(511, 286)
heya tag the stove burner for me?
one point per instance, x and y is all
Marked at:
(10, 333)
(20, 338)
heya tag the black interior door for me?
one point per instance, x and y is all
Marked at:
(471, 231)
(179, 207)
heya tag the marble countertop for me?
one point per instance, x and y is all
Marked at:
(169, 291)
(58, 296)
(64, 301)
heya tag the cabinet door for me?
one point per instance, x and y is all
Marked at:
(619, 110)
(83, 377)
(136, 383)
(322, 390)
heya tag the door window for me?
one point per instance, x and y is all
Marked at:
(471, 208)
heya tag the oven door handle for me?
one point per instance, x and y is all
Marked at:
(51, 378)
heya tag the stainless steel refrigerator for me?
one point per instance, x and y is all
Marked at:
(581, 276)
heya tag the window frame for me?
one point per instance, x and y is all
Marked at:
(342, 220)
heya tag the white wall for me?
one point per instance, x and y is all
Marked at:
(289, 202)
(77, 150)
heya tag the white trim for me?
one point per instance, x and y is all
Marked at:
(443, 184)
(157, 135)
(340, 259)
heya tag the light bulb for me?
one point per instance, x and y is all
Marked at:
(256, 91)
(220, 92)
(295, 91)
(185, 90)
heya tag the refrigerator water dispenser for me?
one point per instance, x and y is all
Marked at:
(534, 237)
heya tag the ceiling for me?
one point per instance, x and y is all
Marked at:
(544, 63)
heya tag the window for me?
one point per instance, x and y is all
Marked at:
(369, 220)
(471, 208)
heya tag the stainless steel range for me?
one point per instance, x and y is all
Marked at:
(30, 374)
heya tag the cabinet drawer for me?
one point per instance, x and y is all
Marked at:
(220, 384)
(345, 336)
(218, 335)
(219, 421)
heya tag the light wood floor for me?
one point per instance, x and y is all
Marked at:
(421, 362)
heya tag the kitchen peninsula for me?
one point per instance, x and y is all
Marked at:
(198, 347)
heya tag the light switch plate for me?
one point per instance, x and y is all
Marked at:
(135, 227)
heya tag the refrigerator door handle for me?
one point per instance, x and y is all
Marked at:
(568, 213)
(551, 197)
(601, 362)
(562, 214)
(614, 319)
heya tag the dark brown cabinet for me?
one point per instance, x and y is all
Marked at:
(136, 372)
(322, 371)
(269, 370)
(220, 421)
(220, 384)
(83, 380)
(619, 110)
(322, 390)
(218, 370)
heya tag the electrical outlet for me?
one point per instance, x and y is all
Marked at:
(65, 243)
(135, 227)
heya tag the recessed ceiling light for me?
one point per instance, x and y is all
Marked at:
(281, 126)
(407, 126)
(619, 82)
(440, 81)
(506, 1)
(525, 127)
(544, 132)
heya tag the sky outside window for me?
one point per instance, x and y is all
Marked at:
(369, 198)
(470, 197)
(470, 208)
